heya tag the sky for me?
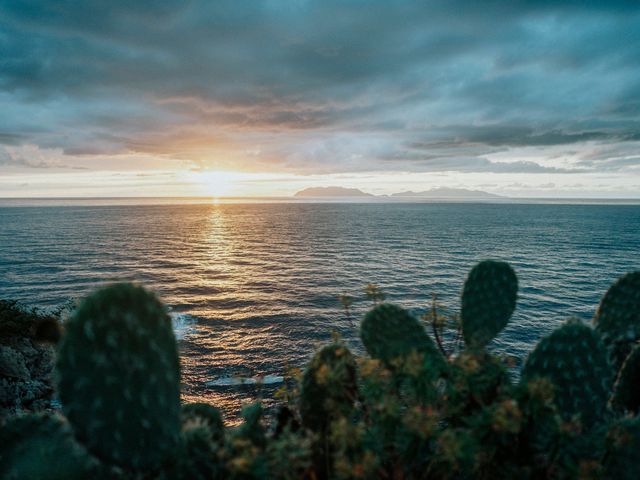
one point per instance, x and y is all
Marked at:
(257, 98)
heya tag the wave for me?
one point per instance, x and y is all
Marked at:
(241, 381)
(183, 324)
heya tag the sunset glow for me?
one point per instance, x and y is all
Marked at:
(217, 183)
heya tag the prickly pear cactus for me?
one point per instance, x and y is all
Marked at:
(540, 421)
(328, 389)
(621, 461)
(575, 360)
(206, 415)
(488, 300)
(119, 377)
(41, 446)
(389, 332)
(248, 459)
(476, 379)
(618, 317)
(201, 448)
(198, 458)
(626, 395)
(253, 429)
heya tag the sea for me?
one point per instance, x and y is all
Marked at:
(253, 286)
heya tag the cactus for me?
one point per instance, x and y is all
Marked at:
(540, 422)
(119, 377)
(248, 459)
(575, 360)
(41, 446)
(328, 389)
(198, 457)
(285, 420)
(389, 332)
(621, 461)
(488, 300)
(205, 415)
(289, 455)
(576, 453)
(626, 394)
(202, 443)
(477, 379)
(252, 429)
(618, 317)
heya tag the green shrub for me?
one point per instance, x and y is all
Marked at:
(18, 320)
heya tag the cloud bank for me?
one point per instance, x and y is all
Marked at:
(323, 87)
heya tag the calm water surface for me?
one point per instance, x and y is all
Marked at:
(253, 287)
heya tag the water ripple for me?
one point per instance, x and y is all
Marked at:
(254, 288)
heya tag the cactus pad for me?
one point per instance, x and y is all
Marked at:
(389, 332)
(476, 379)
(202, 443)
(206, 415)
(119, 377)
(626, 395)
(618, 317)
(198, 459)
(488, 300)
(41, 447)
(621, 461)
(574, 359)
(328, 389)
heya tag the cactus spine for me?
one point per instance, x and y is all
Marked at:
(488, 300)
(119, 377)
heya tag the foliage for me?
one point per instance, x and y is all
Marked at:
(18, 320)
(41, 446)
(413, 408)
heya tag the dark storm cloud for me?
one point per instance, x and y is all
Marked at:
(438, 83)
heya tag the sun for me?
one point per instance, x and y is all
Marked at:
(216, 183)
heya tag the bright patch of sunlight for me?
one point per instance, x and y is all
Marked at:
(217, 183)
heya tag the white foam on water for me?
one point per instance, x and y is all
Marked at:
(239, 381)
(183, 324)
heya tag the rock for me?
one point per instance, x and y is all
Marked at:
(12, 364)
(26, 369)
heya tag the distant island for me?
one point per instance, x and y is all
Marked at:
(444, 192)
(436, 193)
(331, 192)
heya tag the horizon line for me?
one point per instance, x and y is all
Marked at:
(354, 198)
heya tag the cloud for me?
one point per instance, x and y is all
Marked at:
(30, 156)
(323, 86)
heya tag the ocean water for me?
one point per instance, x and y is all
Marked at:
(253, 287)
